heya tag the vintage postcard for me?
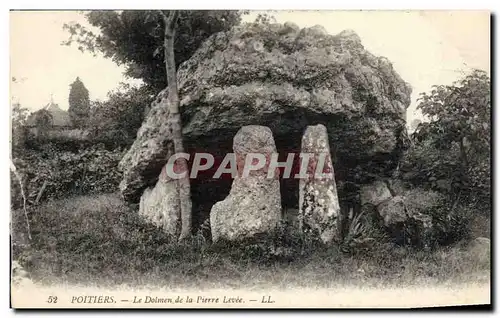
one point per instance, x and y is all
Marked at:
(250, 159)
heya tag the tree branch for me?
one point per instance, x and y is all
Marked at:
(170, 19)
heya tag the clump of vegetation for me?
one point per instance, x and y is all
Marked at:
(450, 153)
(19, 115)
(51, 173)
(365, 236)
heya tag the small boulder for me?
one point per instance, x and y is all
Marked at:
(375, 193)
(392, 211)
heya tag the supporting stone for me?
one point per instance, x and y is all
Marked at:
(160, 205)
(319, 207)
(253, 205)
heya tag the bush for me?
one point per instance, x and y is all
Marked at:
(88, 171)
(435, 219)
(365, 235)
(423, 165)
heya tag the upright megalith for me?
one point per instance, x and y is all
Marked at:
(319, 209)
(253, 205)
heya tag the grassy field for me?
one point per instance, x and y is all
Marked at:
(98, 241)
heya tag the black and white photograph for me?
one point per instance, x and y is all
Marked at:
(250, 159)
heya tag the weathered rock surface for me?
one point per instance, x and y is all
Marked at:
(392, 211)
(481, 247)
(142, 164)
(318, 201)
(407, 210)
(375, 193)
(253, 205)
(284, 78)
(160, 205)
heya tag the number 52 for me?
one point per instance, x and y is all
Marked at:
(52, 299)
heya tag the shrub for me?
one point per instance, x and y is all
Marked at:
(364, 235)
(88, 171)
(448, 220)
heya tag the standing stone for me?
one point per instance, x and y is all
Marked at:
(253, 205)
(318, 201)
(160, 205)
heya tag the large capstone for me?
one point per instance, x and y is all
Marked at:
(285, 78)
(319, 204)
(253, 205)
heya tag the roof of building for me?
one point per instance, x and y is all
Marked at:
(60, 117)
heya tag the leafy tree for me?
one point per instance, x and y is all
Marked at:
(115, 121)
(79, 103)
(456, 136)
(18, 117)
(136, 39)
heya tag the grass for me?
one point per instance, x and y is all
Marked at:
(98, 241)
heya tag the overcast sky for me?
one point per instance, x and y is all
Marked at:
(426, 48)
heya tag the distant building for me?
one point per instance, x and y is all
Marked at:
(60, 117)
(59, 128)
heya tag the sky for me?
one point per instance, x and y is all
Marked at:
(426, 48)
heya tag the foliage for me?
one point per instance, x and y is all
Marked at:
(459, 111)
(453, 147)
(264, 18)
(135, 38)
(79, 103)
(116, 120)
(364, 235)
(19, 115)
(426, 166)
(91, 170)
(434, 219)
(451, 225)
